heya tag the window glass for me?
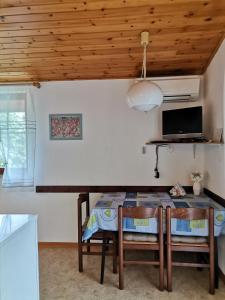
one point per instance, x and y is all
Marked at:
(14, 138)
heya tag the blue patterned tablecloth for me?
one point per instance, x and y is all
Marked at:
(104, 215)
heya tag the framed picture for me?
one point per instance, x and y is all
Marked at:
(65, 126)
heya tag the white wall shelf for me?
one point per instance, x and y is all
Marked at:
(194, 144)
(184, 143)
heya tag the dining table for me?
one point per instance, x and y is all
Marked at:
(104, 215)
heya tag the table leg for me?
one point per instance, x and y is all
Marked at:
(104, 249)
(115, 250)
(216, 263)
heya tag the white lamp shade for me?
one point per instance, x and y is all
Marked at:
(144, 95)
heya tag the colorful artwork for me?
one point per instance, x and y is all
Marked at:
(65, 127)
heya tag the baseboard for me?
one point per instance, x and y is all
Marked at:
(222, 276)
(48, 245)
(43, 245)
(215, 197)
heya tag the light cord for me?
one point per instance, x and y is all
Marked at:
(143, 71)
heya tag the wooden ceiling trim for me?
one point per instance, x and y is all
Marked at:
(68, 69)
(64, 48)
(97, 59)
(89, 68)
(18, 3)
(158, 12)
(189, 70)
(119, 27)
(71, 37)
(110, 37)
(52, 64)
(67, 65)
(68, 6)
(73, 6)
(110, 49)
(107, 44)
(70, 64)
(114, 53)
(91, 72)
(103, 75)
(134, 59)
(98, 24)
(113, 65)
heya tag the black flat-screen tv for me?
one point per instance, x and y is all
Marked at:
(182, 123)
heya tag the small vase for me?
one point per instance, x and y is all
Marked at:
(197, 188)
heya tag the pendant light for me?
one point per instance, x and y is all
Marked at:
(144, 95)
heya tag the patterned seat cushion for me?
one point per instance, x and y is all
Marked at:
(189, 239)
(140, 237)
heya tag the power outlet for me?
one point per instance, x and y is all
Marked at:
(143, 150)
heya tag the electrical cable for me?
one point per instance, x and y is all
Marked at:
(157, 161)
(156, 170)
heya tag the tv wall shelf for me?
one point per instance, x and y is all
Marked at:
(183, 143)
(194, 144)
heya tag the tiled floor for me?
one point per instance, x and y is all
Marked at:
(60, 280)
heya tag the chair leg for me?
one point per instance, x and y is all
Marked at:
(216, 265)
(169, 268)
(80, 257)
(211, 273)
(104, 249)
(161, 270)
(114, 254)
(121, 268)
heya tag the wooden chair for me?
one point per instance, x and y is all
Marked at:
(141, 241)
(177, 243)
(84, 247)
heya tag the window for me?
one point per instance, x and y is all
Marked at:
(17, 136)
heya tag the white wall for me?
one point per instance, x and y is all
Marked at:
(215, 109)
(109, 154)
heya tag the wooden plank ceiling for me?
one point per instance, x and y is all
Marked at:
(95, 39)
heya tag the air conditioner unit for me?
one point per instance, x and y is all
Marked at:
(177, 89)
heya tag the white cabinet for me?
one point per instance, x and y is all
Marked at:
(19, 276)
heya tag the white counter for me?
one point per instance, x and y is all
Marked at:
(19, 276)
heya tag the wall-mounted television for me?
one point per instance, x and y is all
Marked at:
(182, 123)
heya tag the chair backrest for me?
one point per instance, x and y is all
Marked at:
(140, 213)
(191, 214)
(82, 199)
